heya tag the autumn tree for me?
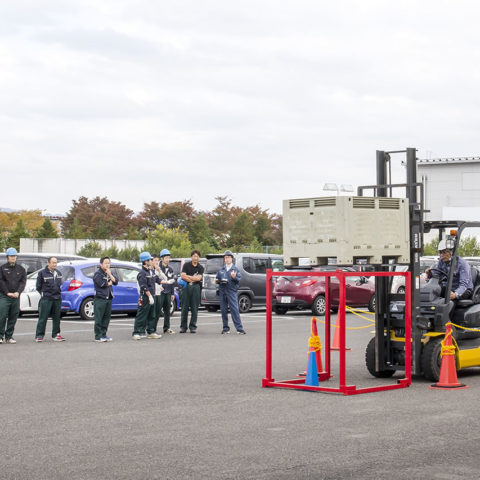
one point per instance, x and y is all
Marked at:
(176, 215)
(98, 218)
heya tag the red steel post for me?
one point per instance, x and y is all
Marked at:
(269, 325)
(408, 329)
(341, 316)
(327, 325)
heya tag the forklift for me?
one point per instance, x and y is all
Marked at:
(430, 309)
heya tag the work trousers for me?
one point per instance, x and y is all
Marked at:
(9, 310)
(190, 301)
(164, 304)
(145, 319)
(102, 313)
(229, 298)
(46, 308)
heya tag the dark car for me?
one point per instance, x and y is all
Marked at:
(306, 292)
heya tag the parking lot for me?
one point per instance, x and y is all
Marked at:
(191, 406)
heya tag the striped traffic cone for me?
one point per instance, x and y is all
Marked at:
(448, 370)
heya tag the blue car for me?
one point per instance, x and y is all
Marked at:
(78, 291)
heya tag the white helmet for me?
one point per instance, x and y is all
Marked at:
(442, 245)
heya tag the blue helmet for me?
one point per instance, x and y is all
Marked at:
(145, 256)
(165, 252)
(11, 252)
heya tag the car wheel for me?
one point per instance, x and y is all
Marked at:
(370, 362)
(244, 303)
(431, 359)
(318, 306)
(86, 309)
(212, 308)
(281, 310)
(401, 290)
(173, 307)
(371, 304)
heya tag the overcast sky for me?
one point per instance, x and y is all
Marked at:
(259, 100)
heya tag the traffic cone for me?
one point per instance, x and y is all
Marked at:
(312, 373)
(314, 345)
(336, 338)
(448, 370)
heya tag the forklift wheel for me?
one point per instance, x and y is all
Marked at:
(431, 359)
(370, 361)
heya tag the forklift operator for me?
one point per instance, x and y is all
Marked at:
(462, 284)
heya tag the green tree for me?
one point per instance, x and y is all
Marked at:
(200, 231)
(176, 241)
(129, 254)
(47, 230)
(16, 234)
(469, 247)
(242, 231)
(91, 250)
(75, 231)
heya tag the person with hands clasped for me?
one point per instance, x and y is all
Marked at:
(192, 274)
(103, 280)
(168, 284)
(49, 285)
(13, 278)
(228, 279)
(145, 319)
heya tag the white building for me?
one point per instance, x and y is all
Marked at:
(451, 188)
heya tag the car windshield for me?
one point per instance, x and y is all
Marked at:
(214, 264)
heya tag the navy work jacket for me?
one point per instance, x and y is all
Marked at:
(462, 277)
(146, 279)
(49, 284)
(232, 283)
(100, 282)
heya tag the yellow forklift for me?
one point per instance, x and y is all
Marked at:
(430, 309)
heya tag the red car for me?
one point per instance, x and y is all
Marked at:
(300, 293)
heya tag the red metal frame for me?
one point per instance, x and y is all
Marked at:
(299, 383)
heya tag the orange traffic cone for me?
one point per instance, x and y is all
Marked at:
(448, 370)
(336, 338)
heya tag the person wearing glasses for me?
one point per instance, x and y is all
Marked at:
(462, 284)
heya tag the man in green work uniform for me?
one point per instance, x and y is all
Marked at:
(103, 280)
(192, 274)
(49, 285)
(13, 278)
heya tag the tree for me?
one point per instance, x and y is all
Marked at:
(176, 241)
(76, 231)
(47, 230)
(176, 215)
(222, 217)
(199, 230)
(91, 250)
(242, 231)
(98, 216)
(15, 235)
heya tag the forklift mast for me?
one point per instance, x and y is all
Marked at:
(414, 194)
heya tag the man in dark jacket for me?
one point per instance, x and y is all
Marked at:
(192, 274)
(13, 278)
(103, 280)
(49, 285)
(145, 318)
(168, 284)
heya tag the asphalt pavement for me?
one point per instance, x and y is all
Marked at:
(192, 407)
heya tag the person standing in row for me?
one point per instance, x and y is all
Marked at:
(13, 278)
(145, 319)
(103, 281)
(192, 273)
(158, 286)
(49, 286)
(228, 279)
(167, 296)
